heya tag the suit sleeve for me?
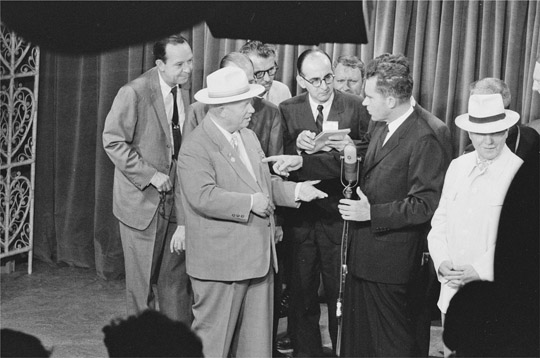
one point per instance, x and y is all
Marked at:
(275, 146)
(437, 239)
(425, 180)
(118, 133)
(200, 191)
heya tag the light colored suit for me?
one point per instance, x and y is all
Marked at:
(138, 141)
(226, 244)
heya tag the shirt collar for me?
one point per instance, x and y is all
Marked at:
(228, 135)
(165, 88)
(495, 165)
(326, 105)
(394, 125)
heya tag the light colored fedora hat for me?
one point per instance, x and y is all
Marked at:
(226, 85)
(487, 115)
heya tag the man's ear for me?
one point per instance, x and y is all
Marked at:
(301, 81)
(160, 64)
(391, 102)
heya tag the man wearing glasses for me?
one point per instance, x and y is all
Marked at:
(317, 228)
(264, 58)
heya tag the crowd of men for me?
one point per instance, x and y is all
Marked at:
(225, 201)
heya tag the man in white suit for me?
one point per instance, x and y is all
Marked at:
(463, 236)
(228, 198)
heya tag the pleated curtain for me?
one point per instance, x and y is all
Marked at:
(448, 43)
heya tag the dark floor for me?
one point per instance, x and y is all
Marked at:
(67, 308)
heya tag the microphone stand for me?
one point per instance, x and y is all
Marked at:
(347, 193)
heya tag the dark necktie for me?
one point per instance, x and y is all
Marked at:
(320, 118)
(177, 134)
(380, 140)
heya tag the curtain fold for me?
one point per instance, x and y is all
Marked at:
(449, 45)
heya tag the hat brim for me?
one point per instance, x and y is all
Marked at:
(463, 122)
(254, 90)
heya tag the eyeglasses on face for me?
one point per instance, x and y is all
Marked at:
(271, 72)
(317, 82)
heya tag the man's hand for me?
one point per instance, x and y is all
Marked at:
(355, 210)
(278, 235)
(469, 274)
(161, 182)
(305, 140)
(451, 274)
(262, 206)
(308, 192)
(283, 164)
(340, 144)
(178, 240)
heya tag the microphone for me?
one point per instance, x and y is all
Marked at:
(350, 164)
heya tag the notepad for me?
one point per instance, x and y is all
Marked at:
(321, 138)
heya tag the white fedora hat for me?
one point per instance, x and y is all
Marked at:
(228, 84)
(487, 115)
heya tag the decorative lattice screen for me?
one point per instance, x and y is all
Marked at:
(19, 77)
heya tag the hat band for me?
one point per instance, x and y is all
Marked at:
(489, 119)
(229, 93)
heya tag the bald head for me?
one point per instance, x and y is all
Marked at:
(492, 85)
(241, 61)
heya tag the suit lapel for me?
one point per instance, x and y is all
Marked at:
(391, 144)
(156, 99)
(305, 117)
(336, 110)
(229, 153)
(254, 158)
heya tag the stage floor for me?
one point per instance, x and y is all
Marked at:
(67, 307)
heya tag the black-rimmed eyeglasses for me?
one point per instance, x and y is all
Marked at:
(317, 82)
(271, 71)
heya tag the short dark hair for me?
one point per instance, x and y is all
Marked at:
(20, 344)
(151, 334)
(159, 46)
(263, 50)
(393, 76)
(307, 53)
(492, 85)
(350, 61)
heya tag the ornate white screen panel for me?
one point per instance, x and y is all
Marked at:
(19, 79)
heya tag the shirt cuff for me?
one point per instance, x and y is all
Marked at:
(297, 192)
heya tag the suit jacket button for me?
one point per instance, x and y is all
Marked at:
(269, 224)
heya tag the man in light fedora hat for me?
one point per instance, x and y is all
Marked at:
(228, 203)
(464, 227)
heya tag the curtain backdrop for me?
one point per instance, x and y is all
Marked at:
(449, 44)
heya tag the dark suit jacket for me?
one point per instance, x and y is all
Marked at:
(315, 167)
(297, 116)
(137, 139)
(265, 122)
(403, 185)
(439, 128)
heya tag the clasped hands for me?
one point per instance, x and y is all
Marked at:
(457, 275)
(306, 141)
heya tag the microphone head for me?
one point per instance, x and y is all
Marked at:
(350, 167)
(349, 153)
